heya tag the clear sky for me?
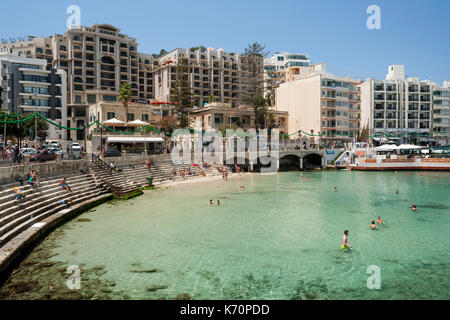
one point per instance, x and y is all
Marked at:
(413, 32)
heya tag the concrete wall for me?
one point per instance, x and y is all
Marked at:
(48, 169)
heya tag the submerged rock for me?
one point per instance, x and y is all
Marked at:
(144, 270)
(156, 287)
(183, 296)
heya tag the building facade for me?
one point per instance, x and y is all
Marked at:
(399, 107)
(223, 116)
(210, 72)
(28, 86)
(282, 67)
(441, 114)
(324, 107)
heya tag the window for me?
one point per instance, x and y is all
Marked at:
(109, 98)
(145, 117)
(110, 115)
(91, 98)
(130, 117)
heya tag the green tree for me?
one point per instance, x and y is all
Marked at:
(253, 84)
(182, 92)
(124, 97)
(211, 98)
(27, 128)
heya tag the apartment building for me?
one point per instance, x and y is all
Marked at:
(28, 86)
(398, 106)
(441, 114)
(211, 72)
(324, 106)
(223, 116)
(282, 67)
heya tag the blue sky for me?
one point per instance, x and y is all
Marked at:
(414, 33)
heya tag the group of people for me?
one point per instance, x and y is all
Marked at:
(183, 173)
(13, 155)
(211, 202)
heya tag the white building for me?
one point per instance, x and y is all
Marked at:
(28, 86)
(324, 107)
(282, 67)
(398, 107)
(441, 114)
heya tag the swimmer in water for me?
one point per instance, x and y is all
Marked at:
(211, 202)
(242, 188)
(380, 221)
(373, 225)
(413, 207)
(218, 202)
(396, 191)
(335, 189)
(345, 242)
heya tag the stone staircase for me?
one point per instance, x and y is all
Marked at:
(118, 183)
(16, 216)
(161, 172)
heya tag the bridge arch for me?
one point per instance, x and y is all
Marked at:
(312, 161)
(290, 162)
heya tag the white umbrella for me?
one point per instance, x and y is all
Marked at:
(113, 122)
(137, 123)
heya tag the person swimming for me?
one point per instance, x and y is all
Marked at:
(211, 202)
(218, 202)
(345, 241)
(373, 225)
(242, 188)
(380, 221)
(413, 207)
(396, 191)
(335, 189)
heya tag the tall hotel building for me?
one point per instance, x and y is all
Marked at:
(98, 59)
(325, 107)
(211, 71)
(441, 114)
(29, 85)
(281, 68)
(398, 105)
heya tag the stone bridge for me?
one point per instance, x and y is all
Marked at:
(300, 159)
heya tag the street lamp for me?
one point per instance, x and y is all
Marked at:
(35, 120)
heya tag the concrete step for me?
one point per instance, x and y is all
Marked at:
(32, 196)
(51, 209)
(16, 212)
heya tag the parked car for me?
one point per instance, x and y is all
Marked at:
(52, 144)
(112, 153)
(76, 146)
(28, 151)
(43, 156)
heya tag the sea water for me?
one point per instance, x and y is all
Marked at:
(279, 238)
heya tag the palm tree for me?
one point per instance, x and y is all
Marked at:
(124, 97)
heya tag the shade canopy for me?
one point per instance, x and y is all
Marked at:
(138, 123)
(113, 122)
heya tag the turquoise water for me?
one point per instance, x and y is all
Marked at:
(278, 239)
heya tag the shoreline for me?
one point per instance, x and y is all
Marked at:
(198, 179)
